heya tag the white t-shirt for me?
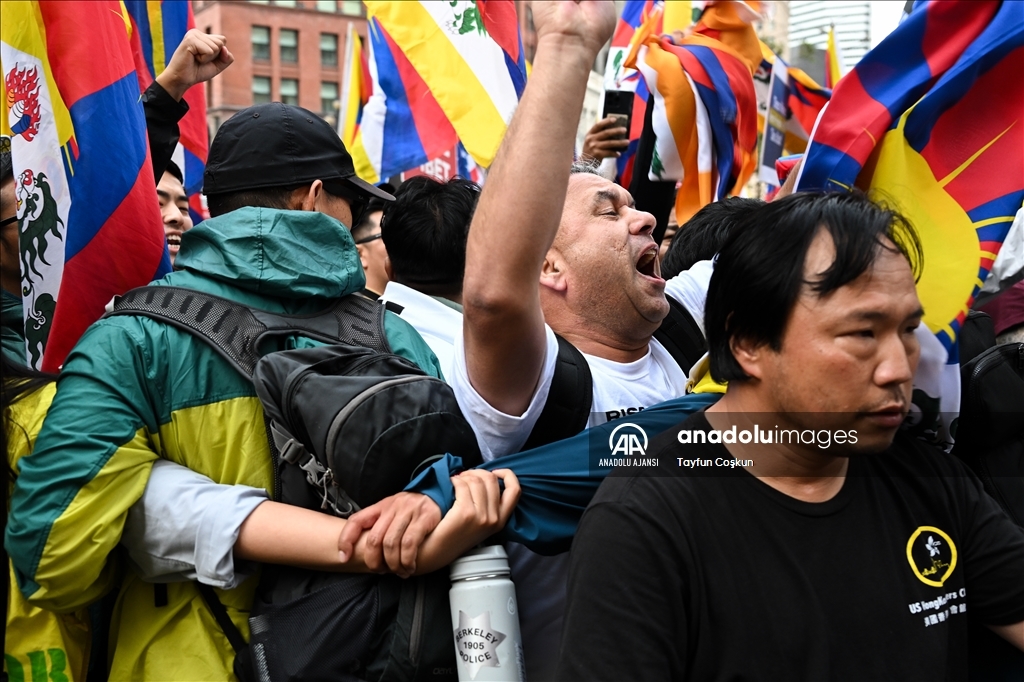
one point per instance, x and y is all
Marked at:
(619, 388)
(439, 324)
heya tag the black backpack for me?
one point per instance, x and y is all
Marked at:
(385, 421)
(990, 440)
(990, 428)
(571, 396)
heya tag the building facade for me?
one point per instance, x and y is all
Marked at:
(289, 51)
(809, 22)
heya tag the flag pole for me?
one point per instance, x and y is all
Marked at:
(346, 83)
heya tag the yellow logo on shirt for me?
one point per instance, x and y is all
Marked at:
(932, 555)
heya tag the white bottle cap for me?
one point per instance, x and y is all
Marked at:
(480, 562)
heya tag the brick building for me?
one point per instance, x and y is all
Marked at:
(285, 51)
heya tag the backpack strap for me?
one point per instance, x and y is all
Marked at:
(238, 332)
(681, 336)
(567, 409)
(220, 614)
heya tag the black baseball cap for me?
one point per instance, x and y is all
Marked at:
(281, 145)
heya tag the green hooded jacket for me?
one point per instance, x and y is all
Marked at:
(134, 390)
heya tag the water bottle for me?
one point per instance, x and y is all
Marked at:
(488, 646)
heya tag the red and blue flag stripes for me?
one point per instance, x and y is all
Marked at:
(415, 128)
(900, 70)
(499, 18)
(114, 239)
(950, 155)
(157, 30)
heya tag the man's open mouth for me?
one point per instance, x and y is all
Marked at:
(647, 263)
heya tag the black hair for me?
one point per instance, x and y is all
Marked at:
(6, 166)
(175, 172)
(364, 225)
(425, 231)
(703, 235)
(759, 272)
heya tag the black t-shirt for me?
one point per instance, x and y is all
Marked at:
(713, 575)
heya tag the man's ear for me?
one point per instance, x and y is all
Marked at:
(312, 196)
(363, 256)
(750, 356)
(552, 272)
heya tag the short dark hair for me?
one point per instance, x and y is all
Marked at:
(265, 197)
(425, 232)
(760, 269)
(175, 172)
(6, 166)
(703, 235)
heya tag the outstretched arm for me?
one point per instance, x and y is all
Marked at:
(283, 534)
(521, 204)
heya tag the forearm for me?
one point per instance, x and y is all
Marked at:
(1014, 634)
(514, 226)
(529, 176)
(277, 533)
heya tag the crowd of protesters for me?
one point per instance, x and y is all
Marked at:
(150, 476)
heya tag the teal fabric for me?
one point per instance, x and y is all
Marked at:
(558, 480)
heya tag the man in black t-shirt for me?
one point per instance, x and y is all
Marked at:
(788, 532)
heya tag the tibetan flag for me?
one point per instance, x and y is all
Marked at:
(932, 120)
(805, 100)
(833, 60)
(402, 125)
(158, 27)
(618, 77)
(468, 55)
(705, 108)
(90, 223)
(358, 87)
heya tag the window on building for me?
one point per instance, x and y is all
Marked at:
(328, 49)
(352, 7)
(285, 3)
(289, 41)
(328, 96)
(290, 90)
(260, 2)
(327, 5)
(261, 42)
(260, 89)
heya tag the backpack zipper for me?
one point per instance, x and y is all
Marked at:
(275, 458)
(416, 631)
(358, 400)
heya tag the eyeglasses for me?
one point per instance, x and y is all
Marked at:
(368, 239)
(14, 219)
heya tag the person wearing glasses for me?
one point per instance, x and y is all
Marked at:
(372, 252)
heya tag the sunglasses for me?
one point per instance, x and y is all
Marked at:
(12, 219)
(356, 201)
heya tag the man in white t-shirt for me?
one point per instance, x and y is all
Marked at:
(425, 232)
(571, 250)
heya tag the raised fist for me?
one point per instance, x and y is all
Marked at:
(199, 58)
(589, 23)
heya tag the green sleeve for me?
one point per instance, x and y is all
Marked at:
(91, 462)
(407, 342)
